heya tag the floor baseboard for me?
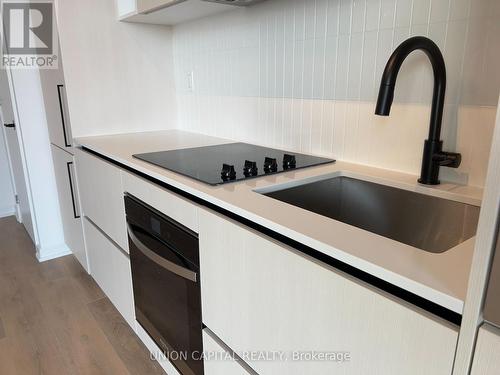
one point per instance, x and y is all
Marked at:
(9, 211)
(45, 254)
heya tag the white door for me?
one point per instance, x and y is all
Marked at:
(18, 171)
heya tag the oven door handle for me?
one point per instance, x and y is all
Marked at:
(162, 262)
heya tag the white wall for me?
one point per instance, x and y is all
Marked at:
(7, 202)
(29, 109)
(304, 75)
(119, 76)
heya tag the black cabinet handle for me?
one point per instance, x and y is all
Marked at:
(159, 260)
(63, 117)
(76, 213)
(12, 125)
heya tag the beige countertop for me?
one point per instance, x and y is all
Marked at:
(440, 278)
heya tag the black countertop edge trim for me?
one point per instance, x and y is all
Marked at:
(432, 307)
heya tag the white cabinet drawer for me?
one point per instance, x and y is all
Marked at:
(259, 295)
(168, 203)
(110, 268)
(101, 194)
(219, 361)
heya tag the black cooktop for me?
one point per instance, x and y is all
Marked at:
(231, 162)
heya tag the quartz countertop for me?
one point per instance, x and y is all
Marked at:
(440, 278)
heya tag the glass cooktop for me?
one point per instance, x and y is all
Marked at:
(231, 162)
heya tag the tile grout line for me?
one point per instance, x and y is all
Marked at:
(311, 115)
(302, 80)
(360, 79)
(466, 42)
(347, 78)
(321, 141)
(336, 72)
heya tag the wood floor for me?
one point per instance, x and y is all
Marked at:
(54, 319)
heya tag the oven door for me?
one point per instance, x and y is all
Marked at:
(167, 299)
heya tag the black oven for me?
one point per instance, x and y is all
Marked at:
(164, 257)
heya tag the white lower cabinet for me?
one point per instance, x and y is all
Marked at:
(168, 203)
(219, 361)
(262, 297)
(69, 203)
(110, 268)
(101, 192)
(487, 354)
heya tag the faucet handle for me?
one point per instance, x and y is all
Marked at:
(447, 159)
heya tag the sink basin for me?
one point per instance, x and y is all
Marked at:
(422, 221)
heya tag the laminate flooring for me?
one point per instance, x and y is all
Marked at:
(54, 319)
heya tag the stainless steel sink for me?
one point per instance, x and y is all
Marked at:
(425, 222)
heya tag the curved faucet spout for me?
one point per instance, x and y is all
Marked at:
(390, 75)
(433, 157)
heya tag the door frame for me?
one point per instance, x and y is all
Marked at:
(19, 138)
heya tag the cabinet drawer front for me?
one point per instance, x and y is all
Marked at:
(218, 360)
(170, 204)
(259, 295)
(101, 193)
(110, 268)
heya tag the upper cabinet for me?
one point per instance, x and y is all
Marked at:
(56, 107)
(149, 6)
(172, 12)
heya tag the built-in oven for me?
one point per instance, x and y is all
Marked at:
(164, 257)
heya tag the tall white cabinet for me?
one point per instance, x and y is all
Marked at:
(59, 127)
(69, 202)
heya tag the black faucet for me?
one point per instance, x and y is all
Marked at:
(434, 156)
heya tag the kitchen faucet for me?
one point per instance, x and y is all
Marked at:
(434, 156)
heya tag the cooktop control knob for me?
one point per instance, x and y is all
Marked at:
(270, 165)
(250, 168)
(228, 172)
(289, 161)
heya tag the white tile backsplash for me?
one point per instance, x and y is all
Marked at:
(346, 130)
(403, 13)
(345, 20)
(358, 16)
(421, 12)
(372, 15)
(440, 10)
(296, 36)
(304, 75)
